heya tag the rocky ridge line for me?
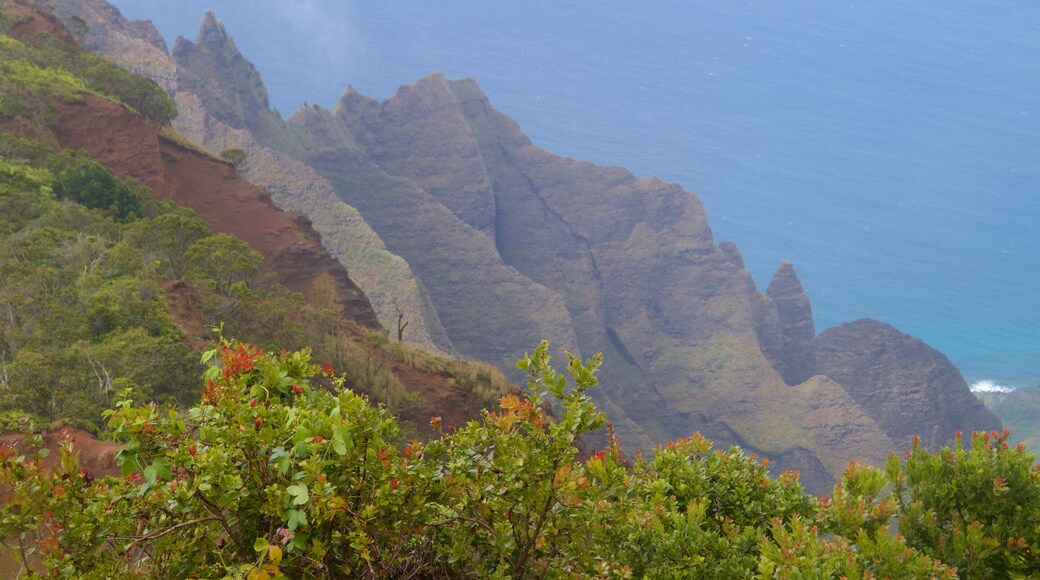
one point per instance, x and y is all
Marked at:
(498, 229)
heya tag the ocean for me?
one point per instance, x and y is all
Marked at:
(889, 150)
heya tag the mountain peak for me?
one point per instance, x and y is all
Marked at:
(795, 309)
(226, 82)
(794, 320)
(907, 386)
(212, 37)
(213, 33)
(210, 24)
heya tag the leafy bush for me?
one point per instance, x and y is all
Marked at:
(138, 92)
(272, 473)
(222, 261)
(166, 238)
(95, 186)
(976, 509)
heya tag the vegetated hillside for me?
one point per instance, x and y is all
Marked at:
(1018, 410)
(108, 278)
(514, 244)
(397, 296)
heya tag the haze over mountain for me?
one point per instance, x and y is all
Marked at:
(514, 244)
(886, 150)
(140, 217)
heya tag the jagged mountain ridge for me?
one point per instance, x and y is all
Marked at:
(386, 279)
(515, 244)
(677, 326)
(117, 136)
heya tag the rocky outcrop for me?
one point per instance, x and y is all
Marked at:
(633, 261)
(908, 387)
(214, 69)
(785, 335)
(422, 134)
(449, 257)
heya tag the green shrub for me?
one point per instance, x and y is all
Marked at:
(977, 509)
(95, 186)
(269, 476)
(221, 261)
(234, 156)
(48, 67)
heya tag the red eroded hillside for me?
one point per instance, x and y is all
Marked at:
(129, 145)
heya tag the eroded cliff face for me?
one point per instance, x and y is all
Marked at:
(633, 261)
(907, 386)
(514, 244)
(125, 142)
(489, 310)
(214, 69)
(398, 297)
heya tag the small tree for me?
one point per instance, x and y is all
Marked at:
(222, 261)
(167, 238)
(95, 186)
(234, 156)
(401, 323)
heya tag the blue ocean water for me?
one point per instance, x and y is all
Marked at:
(889, 149)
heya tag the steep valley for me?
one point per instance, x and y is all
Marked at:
(491, 244)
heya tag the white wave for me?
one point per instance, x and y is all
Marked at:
(988, 386)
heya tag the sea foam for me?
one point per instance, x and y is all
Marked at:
(988, 386)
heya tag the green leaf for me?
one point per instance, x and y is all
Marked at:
(206, 356)
(126, 458)
(299, 493)
(299, 541)
(160, 468)
(296, 519)
(260, 544)
(342, 442)
(211, 373)
(339, 446)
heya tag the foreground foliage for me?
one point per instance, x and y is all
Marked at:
(280, 470)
